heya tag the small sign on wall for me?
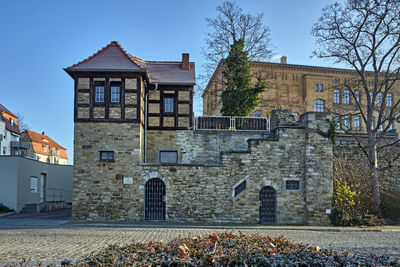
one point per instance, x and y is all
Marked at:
(128, 180)
(328, 211)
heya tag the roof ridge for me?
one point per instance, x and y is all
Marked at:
(7, 110)
(112, 43)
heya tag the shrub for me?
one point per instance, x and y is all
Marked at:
(4, 208)
(390, 206)
(227, 250)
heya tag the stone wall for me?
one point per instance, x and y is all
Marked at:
(198, 147)
(200, 186)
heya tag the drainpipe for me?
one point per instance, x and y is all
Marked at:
(145, 123)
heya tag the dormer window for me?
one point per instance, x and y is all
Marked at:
(12, 121)
(44, 148)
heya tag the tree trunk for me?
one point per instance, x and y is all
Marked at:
(373, 167)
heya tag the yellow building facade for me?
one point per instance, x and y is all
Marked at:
(303, 89)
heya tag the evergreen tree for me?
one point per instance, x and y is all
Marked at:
(240, 96)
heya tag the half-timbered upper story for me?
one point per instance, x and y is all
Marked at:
(114, 86)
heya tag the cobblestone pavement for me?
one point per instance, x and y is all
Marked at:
(74, 242)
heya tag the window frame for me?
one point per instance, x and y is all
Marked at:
(117, 95)
(318, 103)
(347, 123)
(389, 100)
(287, 189)
(167, 97)
(243, 184)
(161, 152)
(336, 96)
(356, 120)
(346, 97)
(338, 123)
(100, 94)
(106, 152)
(379, 99)
(357, 96)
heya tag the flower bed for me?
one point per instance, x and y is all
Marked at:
(228, 250)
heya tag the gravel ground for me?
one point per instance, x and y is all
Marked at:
(74, 242)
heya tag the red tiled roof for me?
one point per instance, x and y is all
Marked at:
(110, 57)
(7, 116)
(113, 57)
(3, 108)
(39, 140)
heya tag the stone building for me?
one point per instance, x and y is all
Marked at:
(305, 89)
(139, 153)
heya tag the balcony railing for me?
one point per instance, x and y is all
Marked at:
(19, 144)
(227, 123)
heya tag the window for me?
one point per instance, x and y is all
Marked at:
(12, 121)
(292, 185)
(44, 148)
(58, 152)
(357, 95)
(169, 104)
(389, 100)
(168, 156)
(347, 123)
(346, 97)
(114, 94)
(390, 126)
(371, 95)
(34, 185)
(257, 113)
(238, 189)
(336, 96)
(318, 105)
(4, 150)
(99, 94)
(379, 97)
(107, 155)
(356, 123)
(319, 87)
(337, 119)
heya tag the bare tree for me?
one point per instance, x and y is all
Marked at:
(231, 25)
(21, 123)
(365, 35)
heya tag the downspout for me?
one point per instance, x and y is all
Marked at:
(145, 122)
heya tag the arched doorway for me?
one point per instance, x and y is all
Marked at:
(267, 205)
(154, 200)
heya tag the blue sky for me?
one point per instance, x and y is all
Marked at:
(40, 38)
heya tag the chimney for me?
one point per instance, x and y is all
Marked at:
(43, 133)
(283, 60)
(185, 65)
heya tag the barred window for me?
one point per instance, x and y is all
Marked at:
(107, 155)
(292, 185)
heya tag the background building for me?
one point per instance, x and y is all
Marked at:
(45, 149)
(302, 89)
(10, 134)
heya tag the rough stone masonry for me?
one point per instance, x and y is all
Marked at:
(293, 163)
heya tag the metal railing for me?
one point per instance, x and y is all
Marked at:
(19, 144)
(57, 195)
(228, 123)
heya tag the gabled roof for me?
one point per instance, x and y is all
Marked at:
(114, 58)
(170, 73)
(4, 109)
(39, 140)
(110, 58)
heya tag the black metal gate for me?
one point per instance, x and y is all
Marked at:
(154, 200)
(268, 205)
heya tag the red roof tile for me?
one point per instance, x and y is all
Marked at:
(40, 140)
(110, 57)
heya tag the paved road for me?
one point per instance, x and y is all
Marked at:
(51, 240)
